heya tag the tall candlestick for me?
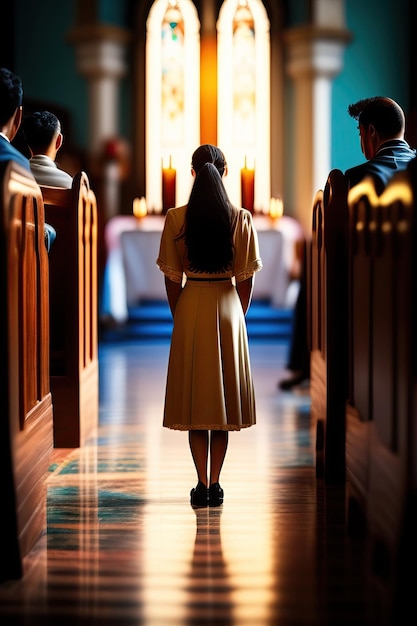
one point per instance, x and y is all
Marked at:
(247, 179)
(168, 186)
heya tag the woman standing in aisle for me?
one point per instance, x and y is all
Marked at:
(209, 388)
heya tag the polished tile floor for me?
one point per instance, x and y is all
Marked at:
(123, 546)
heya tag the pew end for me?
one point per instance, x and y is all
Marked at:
(26, 438)
(328, 326)
(73, 311)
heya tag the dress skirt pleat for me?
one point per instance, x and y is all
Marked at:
(214, 390)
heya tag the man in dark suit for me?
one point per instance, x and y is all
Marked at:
(11, 96)
(381, 125)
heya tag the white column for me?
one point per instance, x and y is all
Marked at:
(100, 55)
(314, 56)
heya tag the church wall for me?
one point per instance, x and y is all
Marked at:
(375, 62)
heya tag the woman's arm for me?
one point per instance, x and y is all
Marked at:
(173, 293)
(245, 290)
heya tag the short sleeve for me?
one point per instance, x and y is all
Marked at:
(169, 259)
(247, 259)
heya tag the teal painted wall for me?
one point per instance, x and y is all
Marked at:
(375, 64)
(298, 12)
(113, 12)
(45, 61)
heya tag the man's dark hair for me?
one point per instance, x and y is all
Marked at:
(11, 94)
(383, 113)
(39, 130)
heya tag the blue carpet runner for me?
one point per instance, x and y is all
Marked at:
(152, 320)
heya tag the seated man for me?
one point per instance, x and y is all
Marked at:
(42, 131)
(381, 125)
(11, 96)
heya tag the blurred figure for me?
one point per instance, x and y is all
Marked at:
(299, 355)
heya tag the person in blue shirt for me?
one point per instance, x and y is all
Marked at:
(11, 97)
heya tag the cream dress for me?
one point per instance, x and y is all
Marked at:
(209, 381)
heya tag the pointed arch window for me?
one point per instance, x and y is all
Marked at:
(244, 77)
(172, 96)
(172, 76)
(244, 111)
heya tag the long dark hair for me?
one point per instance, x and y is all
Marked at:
(209, 215)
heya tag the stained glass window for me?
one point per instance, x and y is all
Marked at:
(172, 106)
(244, 82)
(172, 97)
(239, 75)
(243, 104)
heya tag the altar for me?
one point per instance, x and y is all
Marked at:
(131, 273)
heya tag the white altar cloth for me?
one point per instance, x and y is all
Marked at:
(131, 273)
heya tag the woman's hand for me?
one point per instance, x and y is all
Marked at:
(173, 293)
(245, 290)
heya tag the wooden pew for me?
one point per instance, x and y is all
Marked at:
(381, 415)
(363, 202)
(26, 426)
(363, 286)
(316, 281)
(328, 326)
(73, 310)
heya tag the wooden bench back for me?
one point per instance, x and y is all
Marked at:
(74, 309)
(381, 410)
(363, 299)
(26, 429)
(317, 278)
(328, 325)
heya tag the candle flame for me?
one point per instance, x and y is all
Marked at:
(167, 162)
(276, 208)
(249, 163)
(139, 207)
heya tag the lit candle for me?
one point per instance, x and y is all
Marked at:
(139, 207)
(276, 208)
(168, 186)
(247, 178)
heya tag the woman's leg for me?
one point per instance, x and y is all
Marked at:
(218, 447)
(198, 440)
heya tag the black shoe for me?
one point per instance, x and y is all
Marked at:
(293, 381)
(199, 496)
(215, 495)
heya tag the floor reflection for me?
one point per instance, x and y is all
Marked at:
(209, 585)
(123, 547)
